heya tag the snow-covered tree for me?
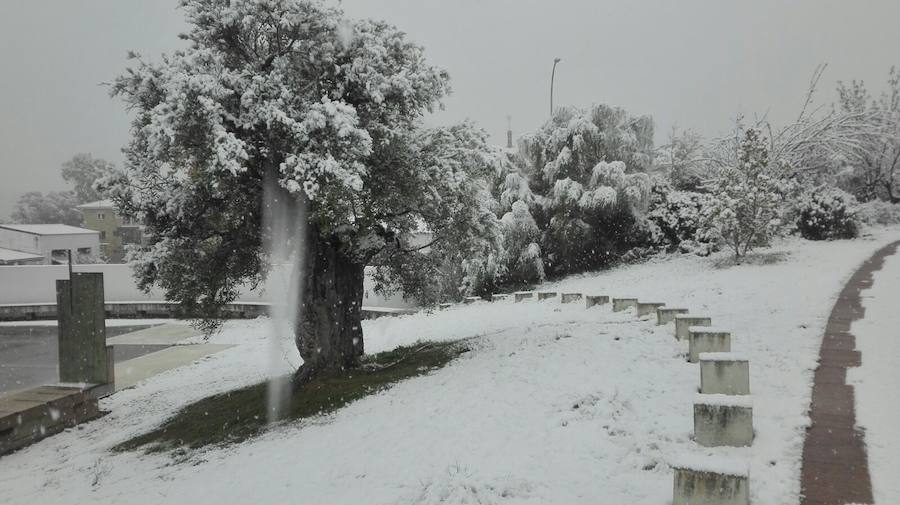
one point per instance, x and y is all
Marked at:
(54, 207)
(521, 241)
(83, 171)
(682, 160)
(874, 170)
(293, 94)
(746, 210)
(586, 176)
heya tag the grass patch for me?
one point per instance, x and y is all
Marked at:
(237, 415)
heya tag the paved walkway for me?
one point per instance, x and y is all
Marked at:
(835, 469)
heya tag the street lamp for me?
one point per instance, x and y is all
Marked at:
(552, 78)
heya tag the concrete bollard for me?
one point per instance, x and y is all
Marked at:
(591, 300)
(647, 308)
(83, 356)
(665, 315)
(620, 304)
(570, 297)
(707, 339)
(711, 481)
(499, 298)
(683, 322)
(725, 373)
(523, 295)
(723, 420)
(472, 299)
(544, 295)
(443, 306)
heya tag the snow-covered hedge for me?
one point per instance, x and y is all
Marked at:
(827, 215)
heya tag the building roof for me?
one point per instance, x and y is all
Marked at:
(48, 229)
(10, 255)
(98, 205)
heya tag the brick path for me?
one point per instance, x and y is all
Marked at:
(835, 469)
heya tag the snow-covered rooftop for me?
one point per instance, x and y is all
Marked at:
(48, 229)
(8, 255)
(99, 204)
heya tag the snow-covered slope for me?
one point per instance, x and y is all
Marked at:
(555, 404)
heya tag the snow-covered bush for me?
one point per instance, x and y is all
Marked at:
(521, 237)
(879, 212)
(827, 215)
(747, 199)
(679, 217)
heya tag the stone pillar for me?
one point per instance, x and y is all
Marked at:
(665, 315)
(83, 354)
(570, 297)
(591, 300)
(725, 373)
(723, 420)
(544, 295)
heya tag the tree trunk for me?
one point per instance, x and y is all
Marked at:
(329, 333)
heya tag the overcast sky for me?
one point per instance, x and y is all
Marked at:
(686, 62)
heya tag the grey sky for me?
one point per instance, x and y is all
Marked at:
(690, 62)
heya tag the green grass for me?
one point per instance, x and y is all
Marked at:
(235, 416)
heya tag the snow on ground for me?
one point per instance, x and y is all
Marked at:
(555, 404)
(878, 379)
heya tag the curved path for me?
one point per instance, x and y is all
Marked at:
(835, 469)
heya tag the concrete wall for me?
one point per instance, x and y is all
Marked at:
(27, 284)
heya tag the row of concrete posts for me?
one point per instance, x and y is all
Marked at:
(723, 408)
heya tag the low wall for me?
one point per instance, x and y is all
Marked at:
(163, 310)
(36, 284)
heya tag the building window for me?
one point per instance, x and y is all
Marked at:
(101, 216)
(102, 235)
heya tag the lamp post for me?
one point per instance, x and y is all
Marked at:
(552, 78)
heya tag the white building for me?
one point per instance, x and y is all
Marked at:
(24, 243)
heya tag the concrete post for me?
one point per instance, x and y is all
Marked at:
(591, 300)
(723, 420)
(620, 304)
(707, 339)
(523, 295)
(472, 299)
(83, 355)
(500, 298)
(711, 482)
(724, 373)
(647, 308)
(544, 295)
(684, 321)
(665, 315)
(570, 297)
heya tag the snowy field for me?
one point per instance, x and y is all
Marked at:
(555, 404)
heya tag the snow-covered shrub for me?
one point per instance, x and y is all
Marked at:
(879, 212)
(679, 217)
(747, 199)
(521, 237)
(827, 215)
